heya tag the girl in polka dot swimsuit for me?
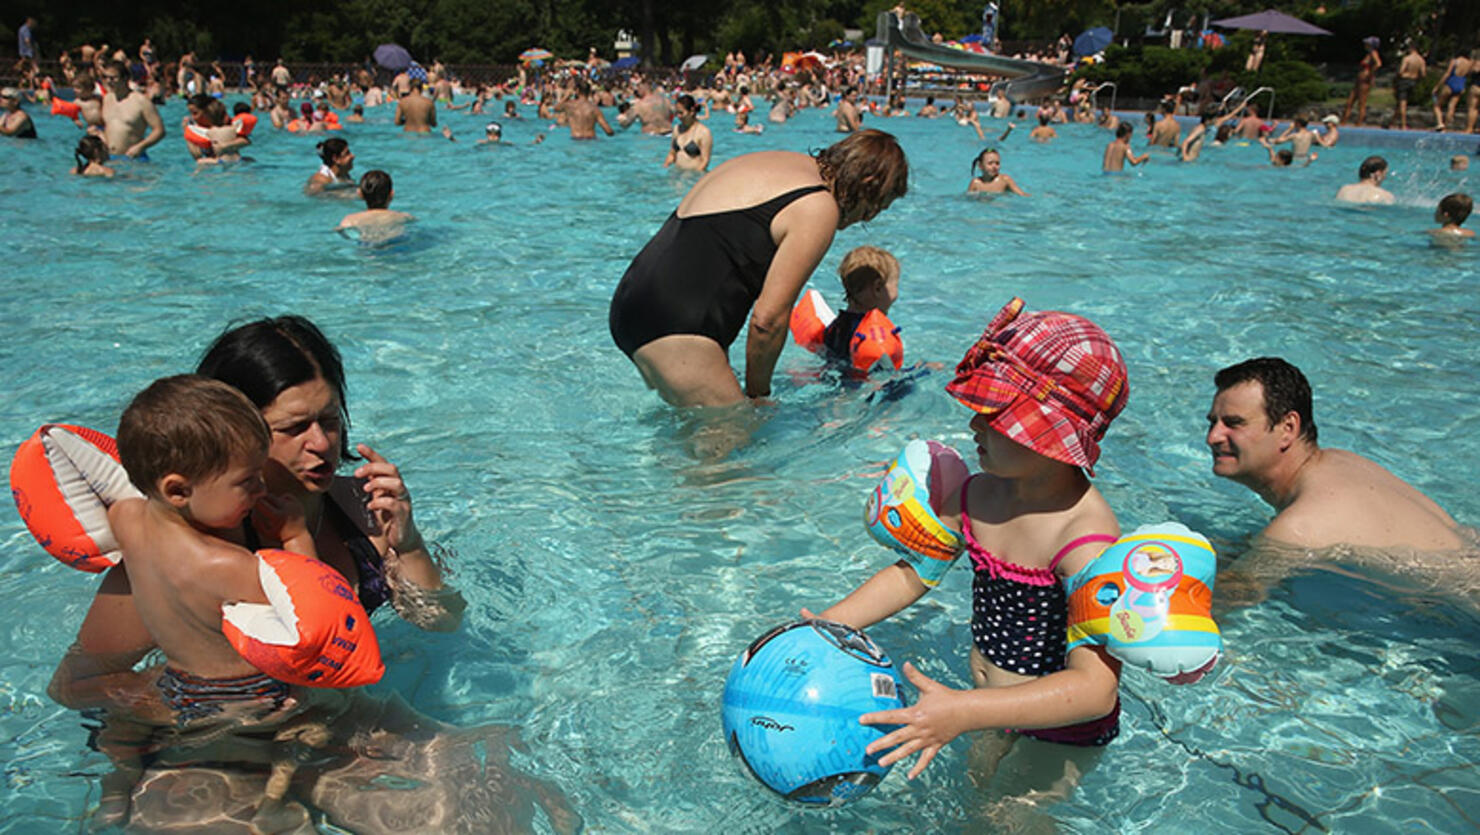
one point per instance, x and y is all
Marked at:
(1044, 387)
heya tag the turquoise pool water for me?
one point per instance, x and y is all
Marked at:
(612, 577)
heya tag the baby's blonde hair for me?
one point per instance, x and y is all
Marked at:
(863, 266)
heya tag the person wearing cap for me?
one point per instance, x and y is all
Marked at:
(1368, 188)
(15, 122)
(1328, 137)
(493, 134)
(1262, 434)
(1043, 388)
(131, 123)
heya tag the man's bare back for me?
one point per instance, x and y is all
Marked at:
(1342, 498)
(583, 116)
(416, 113)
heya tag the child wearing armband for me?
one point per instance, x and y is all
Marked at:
(1045, 387)
(196, 448)
(870, 278)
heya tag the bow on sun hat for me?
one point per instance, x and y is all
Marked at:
(1049, 381)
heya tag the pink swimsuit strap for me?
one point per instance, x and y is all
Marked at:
(985, 560)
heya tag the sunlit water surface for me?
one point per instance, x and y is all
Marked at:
(613, 577)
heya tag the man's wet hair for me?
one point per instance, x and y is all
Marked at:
(1457, 207)
(240, 108)
(1285, 390)
(1371, 165)
(1285, 156)
(1123, 130)
(375, 187)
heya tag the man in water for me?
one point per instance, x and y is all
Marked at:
(849, 119)
(1262, 434)
(131, 124)
(1248, 127)
(1166, 132)
(582, 114)
(1300, 138)
(1369, 188)
(415, 112)
(652, 109)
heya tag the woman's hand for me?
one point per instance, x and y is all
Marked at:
(927, 725)
(390, 501)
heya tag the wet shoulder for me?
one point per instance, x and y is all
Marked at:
(749, 180)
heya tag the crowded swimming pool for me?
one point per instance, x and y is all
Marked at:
(612, 577)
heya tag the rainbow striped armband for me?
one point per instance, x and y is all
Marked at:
(902, 513)
(1148, 600)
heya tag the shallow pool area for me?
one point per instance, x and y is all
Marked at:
(613, 576)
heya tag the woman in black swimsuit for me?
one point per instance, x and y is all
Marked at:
(742, 243)
(692, 143)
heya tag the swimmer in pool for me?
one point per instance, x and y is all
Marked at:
(735, 255)
(131, 123)
(1368, 188)
(1328, 137)
(378, 222)
(14, 121)
(414, 111)
(584, 116)
(92, 157)
(1031, 518)
(870, 277)
(1451, 214)
(1192, 146)
(333, 174)
(691, 144)
(743, 125)
(493, 134)
(1119, 152)
(1262, 434)
(1330, 505)
(1300, 137)
(1044, 132)
(991, 180)
(1167, 131)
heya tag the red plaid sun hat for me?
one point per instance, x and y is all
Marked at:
(1050, 381)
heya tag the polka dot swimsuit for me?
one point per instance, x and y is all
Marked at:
(1019, 616)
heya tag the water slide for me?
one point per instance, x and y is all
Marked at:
(1025, 79)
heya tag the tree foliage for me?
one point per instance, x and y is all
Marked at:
(496, 31)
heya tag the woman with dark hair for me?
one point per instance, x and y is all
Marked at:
(362, 523)
(333, 175)
(741, 244)
(691, 144)
(362, 526)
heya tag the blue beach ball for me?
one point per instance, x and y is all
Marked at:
(791, 709)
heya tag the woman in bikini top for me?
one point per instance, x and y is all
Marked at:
(692, 142)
